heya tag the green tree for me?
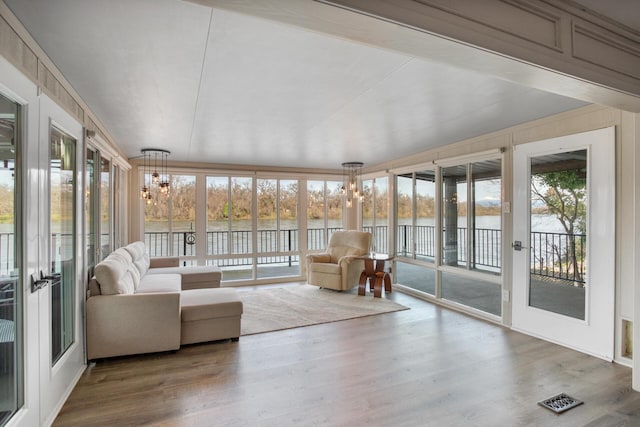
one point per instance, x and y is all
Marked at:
(564, 195)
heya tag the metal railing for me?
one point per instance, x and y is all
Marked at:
(486, 245)
(558, 256)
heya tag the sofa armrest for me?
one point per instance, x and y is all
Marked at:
(132, 323)
(166, 261)
(318, 258)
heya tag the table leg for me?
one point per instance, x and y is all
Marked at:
(377, 287)
(362, 285)
(387, 283)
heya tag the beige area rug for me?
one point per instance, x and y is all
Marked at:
(275, 309)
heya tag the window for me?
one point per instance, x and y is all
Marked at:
(375, 212)
(169, 219)
(449, 232)
(472, 233)
(229, 225)
(277, 233)
(324, 212)
(416, 219)
(471, 216)
(105, 208)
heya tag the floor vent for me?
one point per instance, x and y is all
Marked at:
(560, 403)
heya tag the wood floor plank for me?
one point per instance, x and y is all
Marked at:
(420, 367)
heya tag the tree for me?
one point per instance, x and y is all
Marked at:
(564, 195)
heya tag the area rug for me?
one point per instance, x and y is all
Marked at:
(275, 309)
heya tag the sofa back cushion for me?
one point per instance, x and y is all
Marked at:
(139, 256)
(114, 276)
(350, 242)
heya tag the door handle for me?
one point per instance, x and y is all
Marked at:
(517, 246)
(38, 284)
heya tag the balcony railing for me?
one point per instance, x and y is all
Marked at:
(558, 256)
(554, 255)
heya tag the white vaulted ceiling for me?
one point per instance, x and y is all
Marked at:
(216, 86)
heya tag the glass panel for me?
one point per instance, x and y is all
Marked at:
(240, 216)
(454, 213)
(368, 213)
(156, 222)
(381, 200)
(62, 228)
(277, 227)
(11, 338)
(559, 206)
(217, 215)
(425, 215)
(288, 216)
(375, 213)
(105, 207)
(486, 216)
(324, 212)
(404, 215)
(267, 215)
(472, 292)
(183, 214)
(90, 211)
(416, 277)
(334, 206)
(316, 203)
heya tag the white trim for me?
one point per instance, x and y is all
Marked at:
(492, 154)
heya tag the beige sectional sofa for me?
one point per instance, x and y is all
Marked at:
(140, 305)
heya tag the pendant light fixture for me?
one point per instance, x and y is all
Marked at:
(352, 182)
(155, 177)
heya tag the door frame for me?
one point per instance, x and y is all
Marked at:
(595, 334)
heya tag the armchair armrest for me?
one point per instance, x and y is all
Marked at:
(132, 324)
(318, 258)
(346, 260)
(166, 261)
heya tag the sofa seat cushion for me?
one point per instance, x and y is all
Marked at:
(200, 304)
(194, 277)
(152, 283)
(327, 268)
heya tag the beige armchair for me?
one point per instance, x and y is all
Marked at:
(338, 267)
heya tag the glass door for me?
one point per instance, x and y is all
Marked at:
(563, 249)
(60, 260)
(11, 314)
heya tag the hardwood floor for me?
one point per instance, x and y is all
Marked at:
(427, 366)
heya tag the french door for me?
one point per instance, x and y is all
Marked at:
(60, 295)
(564, 241)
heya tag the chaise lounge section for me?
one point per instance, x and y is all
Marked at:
(141, 305)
